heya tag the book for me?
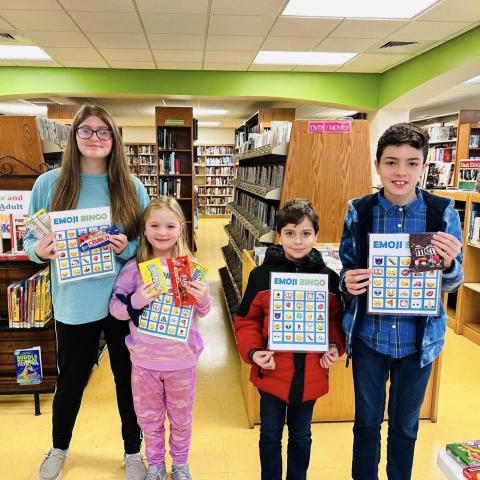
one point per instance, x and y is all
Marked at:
(28, 366)
(17, 232)
(467, 453)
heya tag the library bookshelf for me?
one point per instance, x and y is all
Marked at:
(214, 173)
(174, 149)
(144, 164)
(463, 305)
(339, 404)
(14, 269)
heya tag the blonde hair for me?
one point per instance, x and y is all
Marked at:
(123, 195)
(145, 250)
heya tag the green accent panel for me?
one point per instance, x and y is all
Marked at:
(356, 90)
(453, 54)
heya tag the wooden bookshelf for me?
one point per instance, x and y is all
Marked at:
(339, 404)
(468, 154)
(214, 173)
(174, 151)
(143, 163)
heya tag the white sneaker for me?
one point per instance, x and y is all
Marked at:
(134, 466)
(52, 465)
(155, 473)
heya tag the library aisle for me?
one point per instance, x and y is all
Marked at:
(223, 447)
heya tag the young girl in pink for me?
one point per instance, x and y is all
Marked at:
(163, 370)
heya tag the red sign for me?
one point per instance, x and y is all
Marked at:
(329, 126)
(470, 163)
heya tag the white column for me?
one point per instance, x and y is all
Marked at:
(379, 121)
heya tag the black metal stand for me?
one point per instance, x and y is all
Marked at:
(36, 399)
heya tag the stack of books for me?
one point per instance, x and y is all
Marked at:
(467, 455)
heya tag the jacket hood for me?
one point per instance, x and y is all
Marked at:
(275, 255)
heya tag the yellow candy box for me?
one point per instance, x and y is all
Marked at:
(152, 271)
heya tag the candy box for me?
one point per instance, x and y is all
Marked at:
(472, 473)
(199, 272)
(152, 272)
(180, 276)
(423, 254)
(96, 239)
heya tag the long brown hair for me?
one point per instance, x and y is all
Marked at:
(123, 195)
(145, 250)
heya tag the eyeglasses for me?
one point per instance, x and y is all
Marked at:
(102, 133)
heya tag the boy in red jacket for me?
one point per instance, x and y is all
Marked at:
(289, 382)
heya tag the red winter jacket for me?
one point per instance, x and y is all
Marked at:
(251, 330)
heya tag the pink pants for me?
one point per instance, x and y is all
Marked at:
(156, 393)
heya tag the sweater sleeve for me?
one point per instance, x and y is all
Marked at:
(202, 309)
(127, 283)
(131, 249)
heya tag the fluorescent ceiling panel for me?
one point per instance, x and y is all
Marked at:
(473, 80)
(302, 58)
(209, 111)
(208, 124)
(22, 52)
(357, 9)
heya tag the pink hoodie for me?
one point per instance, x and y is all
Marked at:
(147, 351)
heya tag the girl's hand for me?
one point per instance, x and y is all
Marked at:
(264, 359)
(144, 296)
(447, 246)
(329, 357)
(199, 291)
(119, 242)
(357, 280)
(45, 247)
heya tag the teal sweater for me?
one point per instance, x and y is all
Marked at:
(86, 300)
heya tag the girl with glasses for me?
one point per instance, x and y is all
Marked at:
(94, 173)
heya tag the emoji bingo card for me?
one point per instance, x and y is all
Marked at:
(298, 312)
(71, 263)
(162, 318)
(395, 289)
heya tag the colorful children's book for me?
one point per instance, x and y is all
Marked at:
(28, 366)
(465, 453)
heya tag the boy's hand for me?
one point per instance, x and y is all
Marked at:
(447, 246)
(118, 242)
(144, 296)
(264, 359)
(45, 247)
(357, 280)
(329, 357)
(198, 290)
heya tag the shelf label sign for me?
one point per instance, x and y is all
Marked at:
(174, 122)
(329, 126)
(14, 201)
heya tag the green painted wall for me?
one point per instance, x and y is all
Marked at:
(455, 53)
(358, 90)
(363, 91)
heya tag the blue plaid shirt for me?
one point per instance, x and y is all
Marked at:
(394, 335)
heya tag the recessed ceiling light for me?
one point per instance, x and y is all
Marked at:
(302, 58)
(208, 124)
(473, 80)
(208, 111)
(357, 9)
(22, 52)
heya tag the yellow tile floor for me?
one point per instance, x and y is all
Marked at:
(223, 447)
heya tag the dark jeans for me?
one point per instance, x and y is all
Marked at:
(408, 382)
(272, 420)
(77, 347)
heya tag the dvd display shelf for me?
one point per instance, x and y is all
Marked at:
(214, 172)
(143, 164)
(338, 405)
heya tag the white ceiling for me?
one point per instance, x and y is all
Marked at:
(218, 34)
